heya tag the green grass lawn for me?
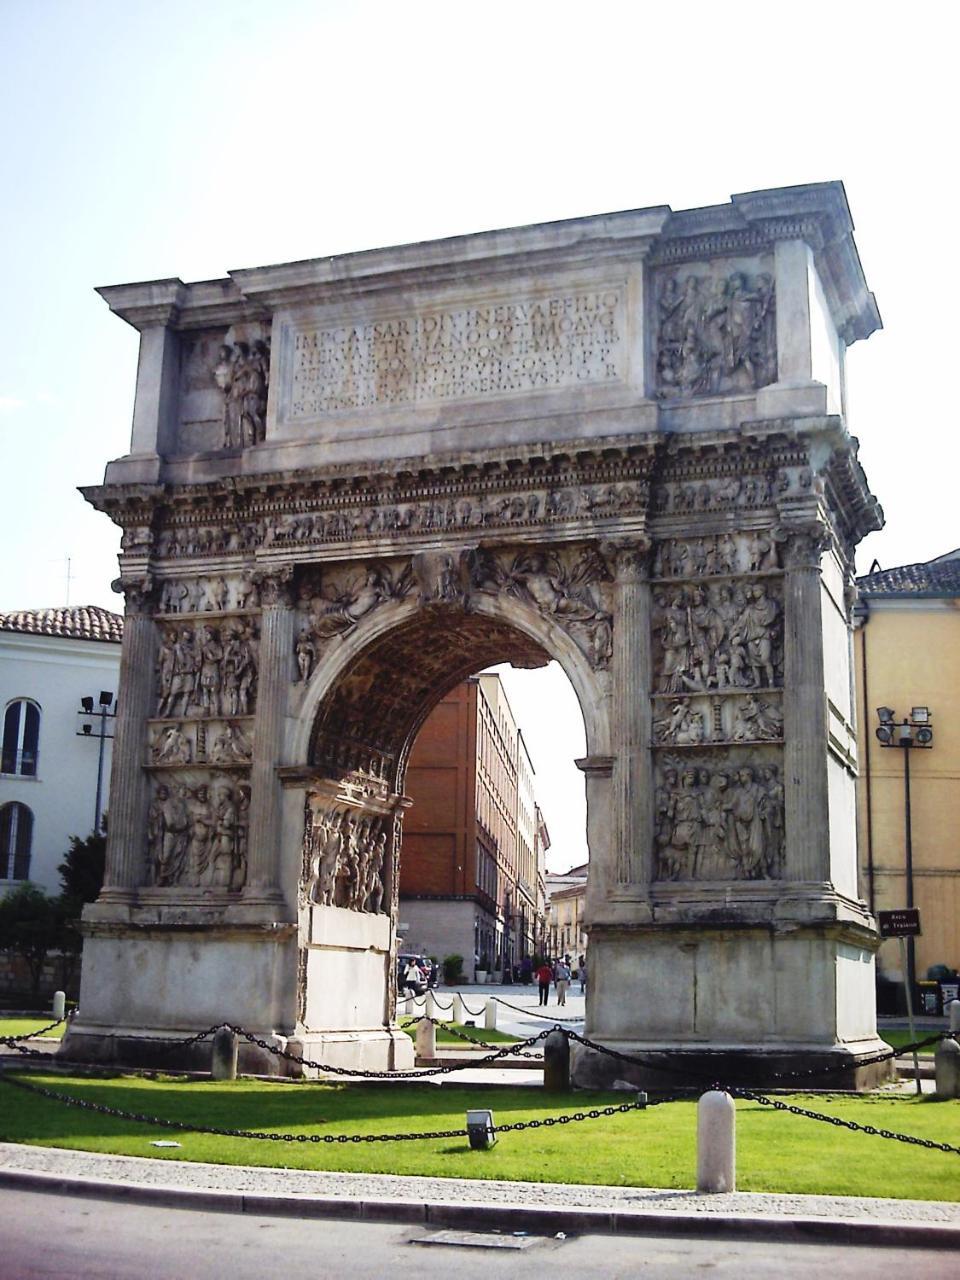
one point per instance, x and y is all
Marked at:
(478, 1034)
(654, 1148)
(897, 1039)
(29, 1026)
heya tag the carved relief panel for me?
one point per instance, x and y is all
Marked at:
(726, 636)
(715, 330)
(719, 816)
(197, 830)
(208, 669)
(344, 853)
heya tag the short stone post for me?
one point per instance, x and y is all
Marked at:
(59, 1005)
(716, 1142)
(556, 1063)
(946, 1065)
(223, 1055)
(403, 1008)
(490, 1015)
(953, 1013)
(456, 1011)
(426, 1040)
(430, 1005)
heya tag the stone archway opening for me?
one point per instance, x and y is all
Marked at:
(364, 726)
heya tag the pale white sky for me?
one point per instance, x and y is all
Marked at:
(144, 139)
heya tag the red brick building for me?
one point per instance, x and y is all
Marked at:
(472, 869)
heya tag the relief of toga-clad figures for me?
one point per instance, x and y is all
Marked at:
(207, 670)
(716, 334)
(727, 636)
(719, 820)
(344, 850)
(197, 833)
(242, 373)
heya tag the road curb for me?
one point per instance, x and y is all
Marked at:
(533, 1219)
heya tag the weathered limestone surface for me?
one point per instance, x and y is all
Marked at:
(616, 442)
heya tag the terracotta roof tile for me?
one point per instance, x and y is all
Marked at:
(76, 622)
(931, 577)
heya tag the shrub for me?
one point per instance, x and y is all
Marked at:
(452, 969)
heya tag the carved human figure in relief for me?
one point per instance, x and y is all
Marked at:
(306, 654)
(757, 720)
(168, 827)
(185, 667)
(231, 746)
(682, 726)
(757, 630)
(242, 374)
(172, 746)
(211, 658)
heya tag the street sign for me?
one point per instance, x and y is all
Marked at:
(902, 923)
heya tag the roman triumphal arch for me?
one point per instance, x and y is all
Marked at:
(618, 442)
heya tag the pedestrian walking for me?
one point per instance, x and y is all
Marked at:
(544, 978)
(583, 974)
(562, 979)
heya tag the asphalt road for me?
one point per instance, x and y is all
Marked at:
(47, 1235)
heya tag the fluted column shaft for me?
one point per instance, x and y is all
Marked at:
(631, 701)
(806, 805)
(127, 810)
(273, 685)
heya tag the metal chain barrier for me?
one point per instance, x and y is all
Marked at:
(415, 1074)
(29, 1035)
(640, 1104)
(519, 1009)
(483, 1044)
(777, 1105)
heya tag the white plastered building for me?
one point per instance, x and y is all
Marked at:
(50, 660)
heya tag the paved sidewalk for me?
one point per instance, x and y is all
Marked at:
(541, 1208)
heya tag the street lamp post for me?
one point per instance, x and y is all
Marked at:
(95, 725)
(915, 731)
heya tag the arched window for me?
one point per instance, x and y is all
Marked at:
(16, 836)
(21, 738)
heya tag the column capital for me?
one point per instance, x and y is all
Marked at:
(629, 559)
(139, 594)
(276, 585)
(803, 545)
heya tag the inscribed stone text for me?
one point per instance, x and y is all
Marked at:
(533, 345)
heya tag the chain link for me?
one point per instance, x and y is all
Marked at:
(777, 1105)
(530, 1012)
(30, 1035)
(462, 1035)
(182, 1126)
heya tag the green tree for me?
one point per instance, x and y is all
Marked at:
(31, 925)
(81, 879)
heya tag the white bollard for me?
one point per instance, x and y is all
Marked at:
(946, 1065)
(490, 1015)
(59, 1004)
(430, 1005)
(953, 1011)
(404, 1008)
(456, 1012)
(716, 1142)
(426, 1040)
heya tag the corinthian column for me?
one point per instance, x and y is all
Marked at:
(273, 685)
(806, 811)
(631, 704)
(127, 827)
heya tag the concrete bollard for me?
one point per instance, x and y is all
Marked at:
(556, 1063)
(953, 1012)
(59, 1004)
(426, 1040)
(490, 1015)
(456, 1012)
(223, 1055)
(946, 1065)
(404, 1008)
(716, 1142)
(430, 1005)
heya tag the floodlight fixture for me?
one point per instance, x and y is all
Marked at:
(87, 704)
(924, 736)
(886, 714)
(920, 715)
(885, 734)
(88, 729)
(106, 697)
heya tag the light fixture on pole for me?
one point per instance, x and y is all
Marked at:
(95, 724)
(913, 731)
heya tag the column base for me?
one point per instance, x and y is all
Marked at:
(373, 1049)
(668, 1069)
(156, 1049)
